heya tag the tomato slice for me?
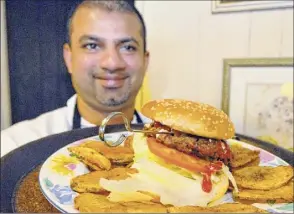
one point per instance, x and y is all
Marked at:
(180, 159)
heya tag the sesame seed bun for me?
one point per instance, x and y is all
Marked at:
(190, 117)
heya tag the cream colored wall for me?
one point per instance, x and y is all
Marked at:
(5, 99)
(188, 44)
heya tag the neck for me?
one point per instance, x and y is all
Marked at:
(96, 116)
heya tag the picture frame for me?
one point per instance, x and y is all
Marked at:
(223, 6)
(257, 95)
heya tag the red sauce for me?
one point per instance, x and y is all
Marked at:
(224, 151)
(206, 182)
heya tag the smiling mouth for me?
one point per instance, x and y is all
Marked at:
(109, 79)
(111, 82)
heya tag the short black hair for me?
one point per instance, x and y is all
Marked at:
(121, 6)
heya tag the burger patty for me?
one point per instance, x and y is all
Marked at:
(206, 148)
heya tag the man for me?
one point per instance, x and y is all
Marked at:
(107, 59)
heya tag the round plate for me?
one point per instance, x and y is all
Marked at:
(61, 167)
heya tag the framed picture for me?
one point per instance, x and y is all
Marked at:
(258, 97)
(221, 6)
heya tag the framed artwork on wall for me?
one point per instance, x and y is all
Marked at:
(222, 6)
(257, 95)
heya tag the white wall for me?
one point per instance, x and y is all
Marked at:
(5, 99)
(188, 43)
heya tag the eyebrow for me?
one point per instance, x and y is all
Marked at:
(129, 39)
(99, 39)
(90, 37)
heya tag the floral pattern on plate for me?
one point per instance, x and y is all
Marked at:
(62, 164)
(64, 194)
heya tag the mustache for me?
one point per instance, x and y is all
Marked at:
(110, 75)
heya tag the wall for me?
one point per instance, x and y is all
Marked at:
(188, 43)
(5, 99)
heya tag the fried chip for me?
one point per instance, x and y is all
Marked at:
(94, 203)
(222, 208)
(144, 207)
(91, 158)
(90, 182)
(129, 142)
(243, 156)
(263, 177)
(282, 194)
(117, 155)
(254, 162)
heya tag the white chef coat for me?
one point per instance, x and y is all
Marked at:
(52, 122)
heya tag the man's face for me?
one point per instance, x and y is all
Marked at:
(106, 59)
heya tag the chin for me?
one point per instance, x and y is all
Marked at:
(190, 167)
(112, 102)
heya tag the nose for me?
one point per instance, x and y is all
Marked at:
(111, 60)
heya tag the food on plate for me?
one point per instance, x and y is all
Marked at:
(129, 142)
(282, 194)
(118, 156)
(200, 129)
(144, 207)
(93, 203)
(263, 177)
(138, 196)
(187, 171)
(242, 157)
(93, 159)
(90, 182)
(89, 202)
(222, 208)
(189, 167)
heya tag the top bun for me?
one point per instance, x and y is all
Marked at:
(190, 117)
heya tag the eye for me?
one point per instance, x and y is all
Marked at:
(91, 46)
(128, 48)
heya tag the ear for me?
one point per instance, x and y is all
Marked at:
(146, 58)
(67, 57)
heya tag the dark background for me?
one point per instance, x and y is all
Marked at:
(36, 32)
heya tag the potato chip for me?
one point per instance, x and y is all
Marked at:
(117, 155)
(144, 207)
(91, 158)
(243, 156)
(90, 182)
(282, 194)
(129, 142)
(263, 177)
(94, 203)
(254, 162)
(222, 208)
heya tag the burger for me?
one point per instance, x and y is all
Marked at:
(183, 160)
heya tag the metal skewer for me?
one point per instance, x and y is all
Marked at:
(122, 138)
